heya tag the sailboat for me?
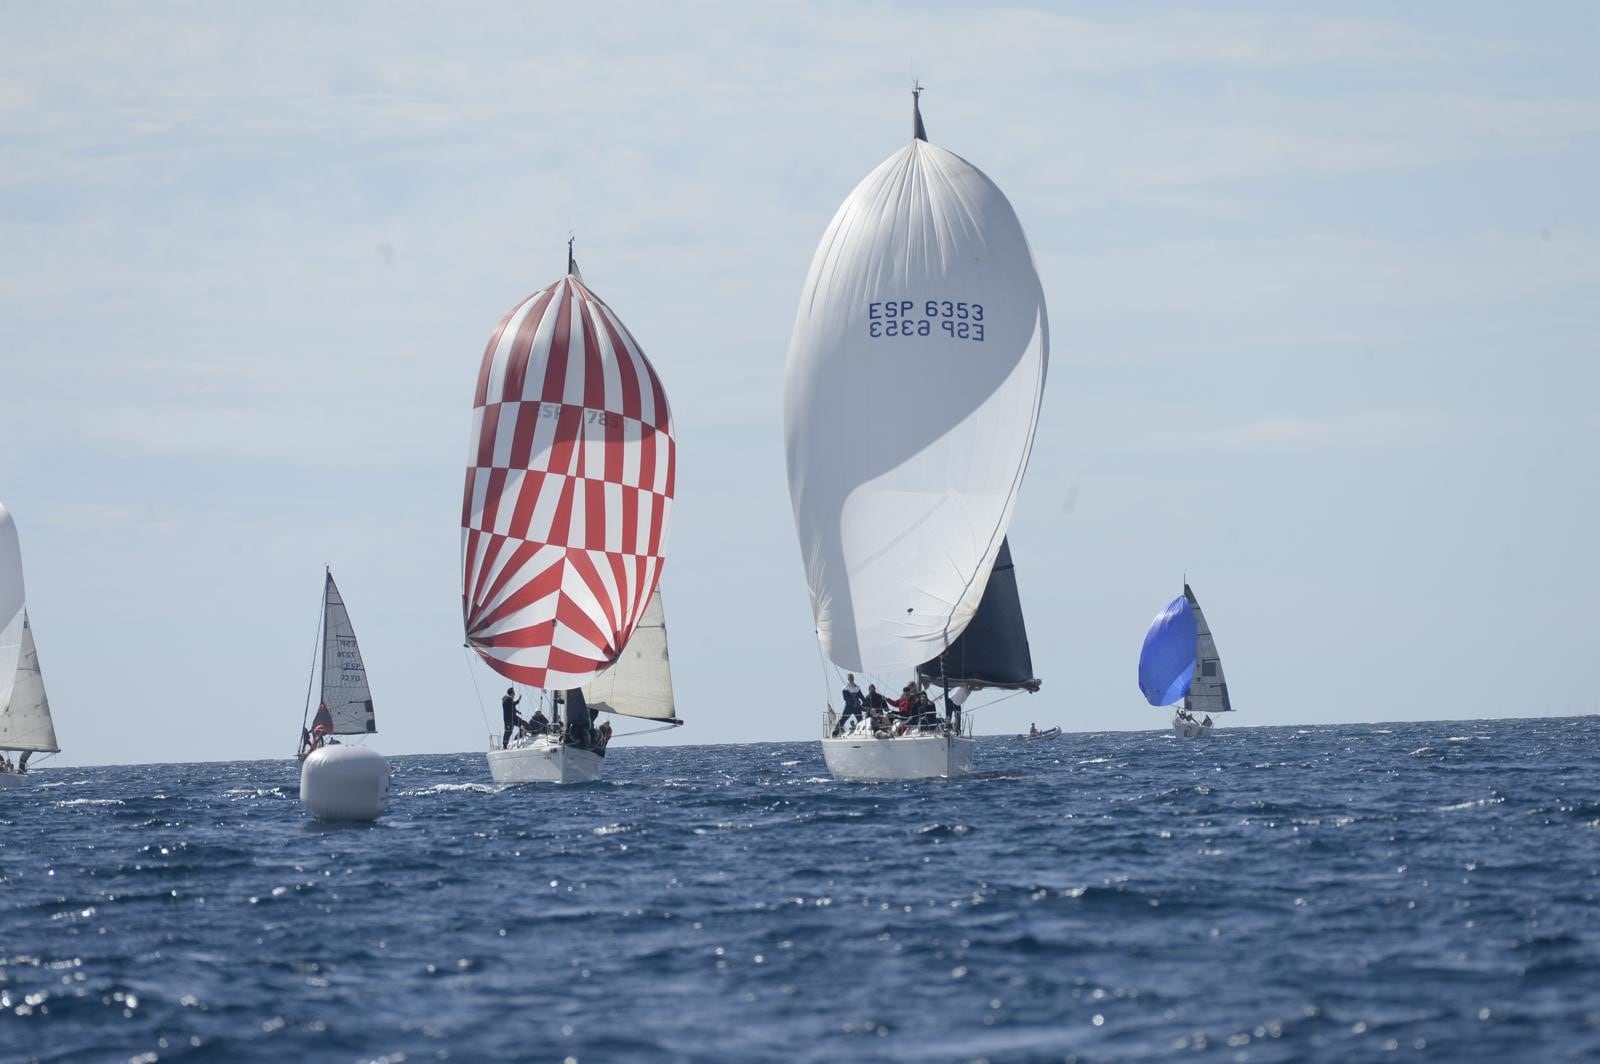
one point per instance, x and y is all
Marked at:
(25, 725)
(1179, 663)
(912, 392)
(564, 526)
(340, 781)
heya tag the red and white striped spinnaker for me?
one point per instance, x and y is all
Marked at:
(569, 487)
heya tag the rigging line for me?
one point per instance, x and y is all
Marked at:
(822, 659)
(990, 705)
(466, 656)
(316, 649)
(646, 731)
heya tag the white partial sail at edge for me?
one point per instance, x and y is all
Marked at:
(639, 682)
(912, 392)
(24, 709)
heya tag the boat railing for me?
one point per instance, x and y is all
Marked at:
(830, 722)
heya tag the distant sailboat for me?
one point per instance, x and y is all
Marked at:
(1179, 662)
(564, 526)
(340, 781)
(25, 724)
(912, 393)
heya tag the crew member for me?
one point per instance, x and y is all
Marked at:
(852, 704)
(953, 701)
(508, 715)
(537, 724)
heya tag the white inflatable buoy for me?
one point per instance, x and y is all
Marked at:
(339, 782)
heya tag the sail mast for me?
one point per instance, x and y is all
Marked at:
(572, 263)
(316, 654)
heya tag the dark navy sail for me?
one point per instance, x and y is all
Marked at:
(993, 651)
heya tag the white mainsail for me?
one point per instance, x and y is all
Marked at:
(1208, 692)
(344, 676)
(912, 391)
(639, 683)
(24, 709)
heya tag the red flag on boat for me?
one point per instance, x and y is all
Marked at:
(321, 724)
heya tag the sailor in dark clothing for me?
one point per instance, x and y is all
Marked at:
(875, 705)
(508, 715)
(853, 702)
(579, 718)
(922, 712)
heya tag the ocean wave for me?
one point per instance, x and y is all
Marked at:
(1265, 919)
(452, 788)
(1476, 803)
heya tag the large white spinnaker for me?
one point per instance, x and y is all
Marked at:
(912, 391)
(639, 682)
(344, 676)
(24, 710)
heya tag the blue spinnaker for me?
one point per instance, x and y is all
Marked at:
(1166, 664)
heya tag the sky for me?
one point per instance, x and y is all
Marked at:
(1322, 281)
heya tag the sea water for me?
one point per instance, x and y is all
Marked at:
(1372, 892)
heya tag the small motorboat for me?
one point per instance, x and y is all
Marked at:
(1048, 733)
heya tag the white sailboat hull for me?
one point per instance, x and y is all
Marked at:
(545, 760)
(11, 779)
(1189, 729)
(340, 782)
(906, 757)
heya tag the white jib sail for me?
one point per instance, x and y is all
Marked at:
(344, 677)
(911, 395)
(24, 710)
(639, 683)
(1208, 691)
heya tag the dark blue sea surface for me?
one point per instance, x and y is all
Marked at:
(1370, 892)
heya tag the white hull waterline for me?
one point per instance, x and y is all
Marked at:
(544, 760)
(901, 757)
(339, 782)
